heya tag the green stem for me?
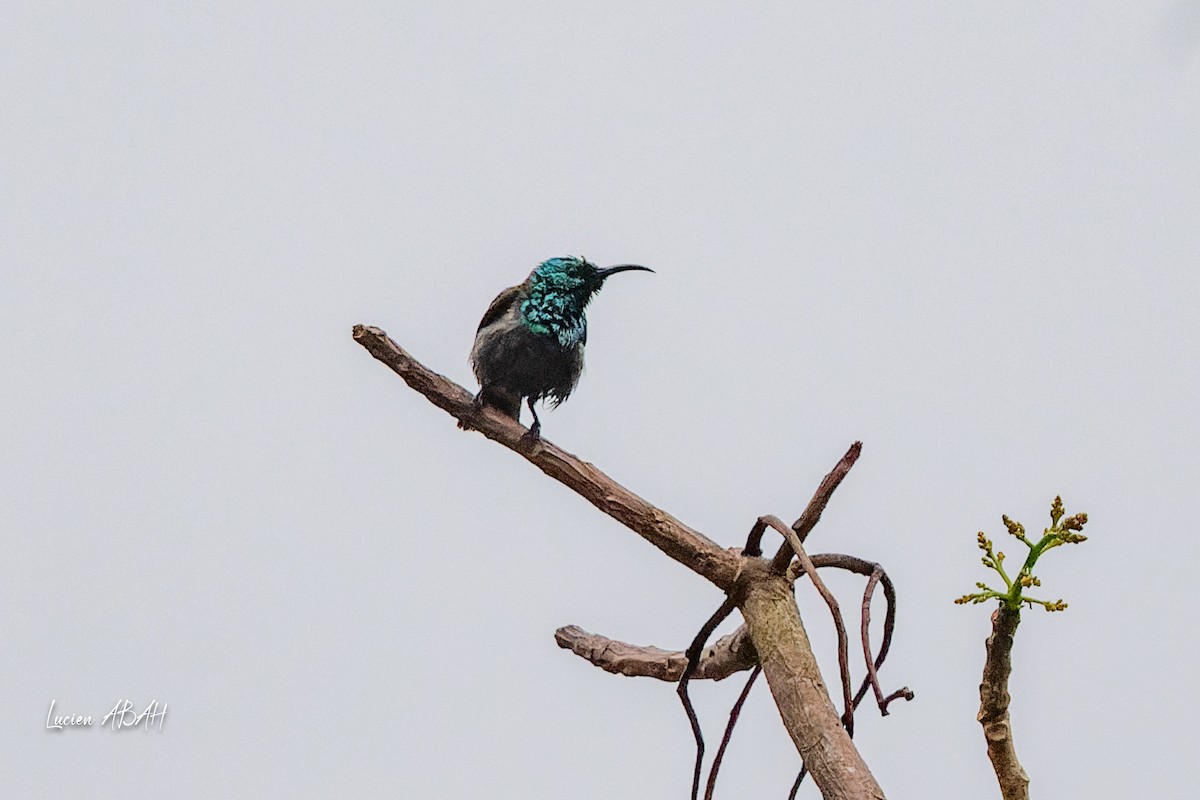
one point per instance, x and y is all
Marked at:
(1008, 584)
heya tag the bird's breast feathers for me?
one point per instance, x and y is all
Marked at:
(557, 317)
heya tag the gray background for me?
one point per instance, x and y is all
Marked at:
(965, 233)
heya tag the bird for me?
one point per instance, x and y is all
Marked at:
(529, 345)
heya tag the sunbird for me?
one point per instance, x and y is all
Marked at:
(530, 342)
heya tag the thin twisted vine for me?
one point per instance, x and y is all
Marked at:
(734, 713)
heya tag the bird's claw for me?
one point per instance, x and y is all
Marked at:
(532, 436)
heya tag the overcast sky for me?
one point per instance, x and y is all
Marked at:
(964, 233)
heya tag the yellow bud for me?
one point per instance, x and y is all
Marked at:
(1074, 522)
(1014, 527)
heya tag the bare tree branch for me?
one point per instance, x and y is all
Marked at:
(693, 660)
(993, 706)
(734, 713)
(872, 678)
(685, 545)
(785, 653)
(799, 780)
(760, 589)
(793, 539)
(728, 656)
(735, 652)
(812, 513)
(869, 569)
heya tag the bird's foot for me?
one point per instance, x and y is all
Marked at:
(535, 430)
(533, 435)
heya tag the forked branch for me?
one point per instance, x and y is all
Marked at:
(761, 590)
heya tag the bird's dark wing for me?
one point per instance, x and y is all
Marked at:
(499, 306)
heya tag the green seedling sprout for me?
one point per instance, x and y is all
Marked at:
(1061, 531)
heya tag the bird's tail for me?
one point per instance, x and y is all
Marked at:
(506, 403)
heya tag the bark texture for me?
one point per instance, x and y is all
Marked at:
(993, 706)
(729, 655)
(799, 691)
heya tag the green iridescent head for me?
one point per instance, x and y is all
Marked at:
(559, 291)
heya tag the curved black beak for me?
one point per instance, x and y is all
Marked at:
(601, 274)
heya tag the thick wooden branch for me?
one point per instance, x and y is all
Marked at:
(760, 588)
(682, 543)
(810, 569)
(799, 691)
(993, 706)
(729, 655)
